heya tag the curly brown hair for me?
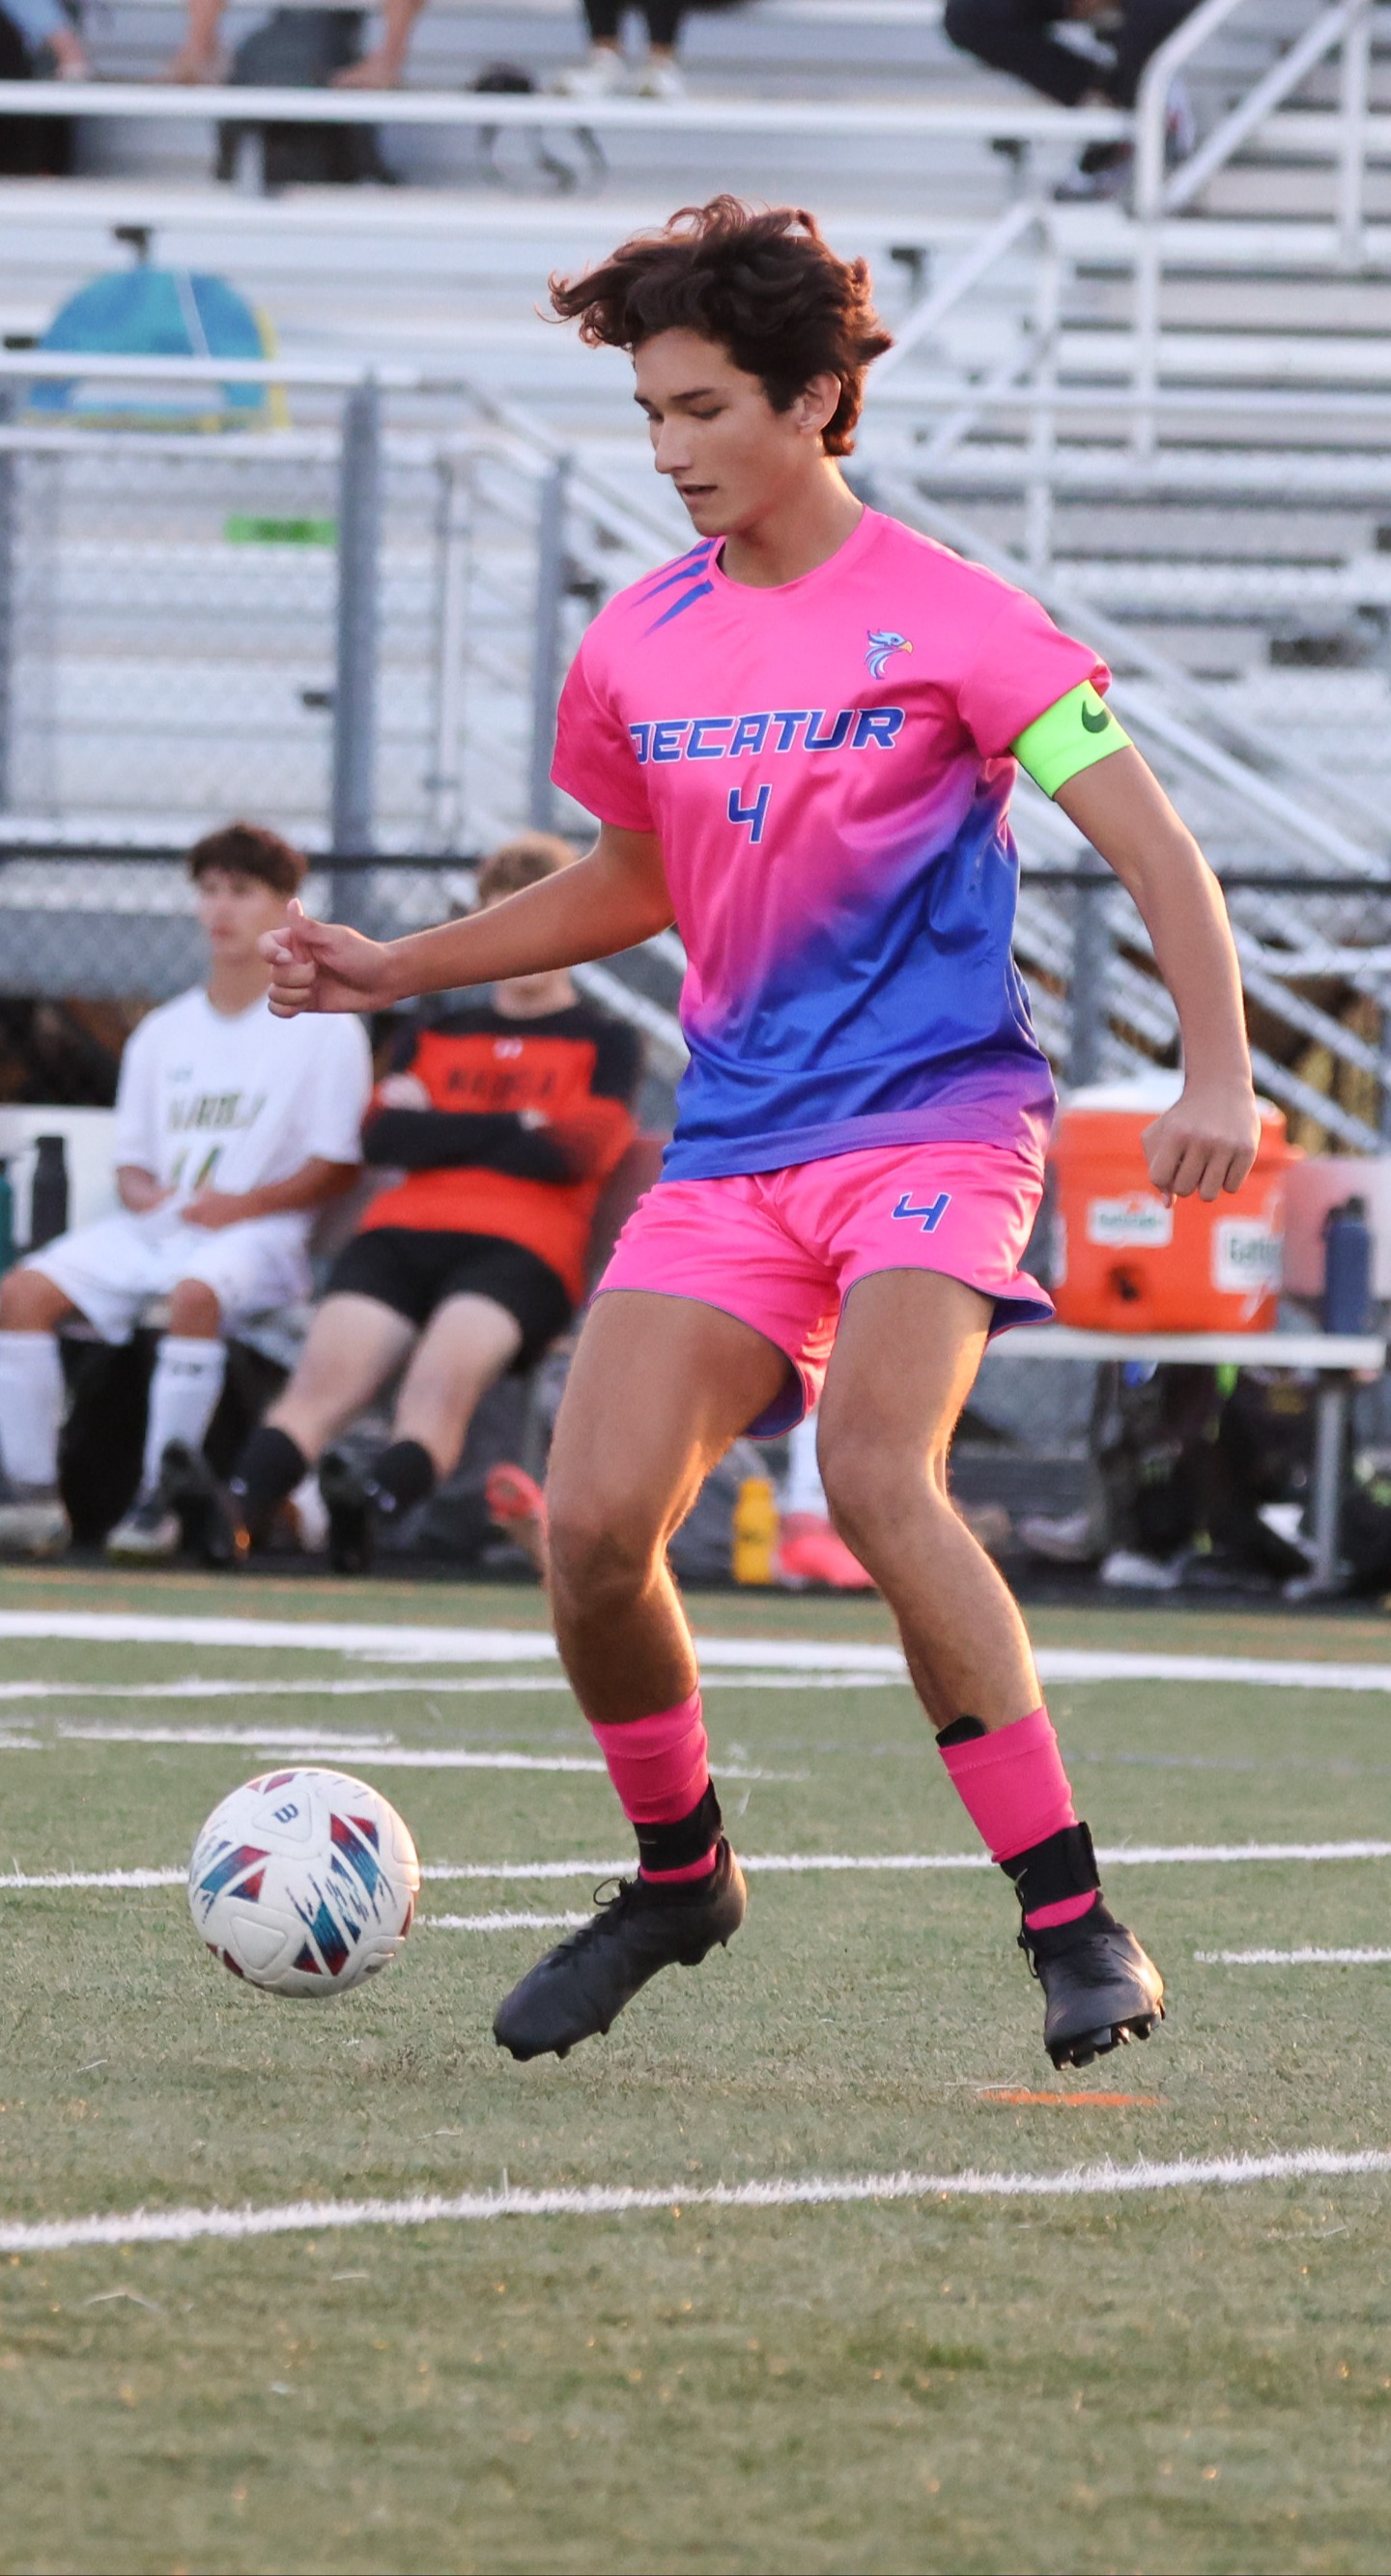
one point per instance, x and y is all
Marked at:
(760, 282)
(250, 850)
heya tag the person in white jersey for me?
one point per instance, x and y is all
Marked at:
(232, 1129)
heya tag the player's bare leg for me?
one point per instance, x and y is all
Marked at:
(659, 1389)
(33, 1520)
(886, 1427)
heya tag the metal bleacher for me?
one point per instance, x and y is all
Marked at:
(1167, 414)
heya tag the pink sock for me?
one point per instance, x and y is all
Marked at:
(1014, 1789)
(660, 1768)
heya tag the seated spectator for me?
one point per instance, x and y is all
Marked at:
(38, 41)
(502, 1118)
(1018, 36)
(231, 1129)
(604, 72)
(49, 41)
(319, 46)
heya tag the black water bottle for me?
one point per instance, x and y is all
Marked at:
(1347, 1269)
(48, 1201)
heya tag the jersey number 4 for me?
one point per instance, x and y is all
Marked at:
(753, 816)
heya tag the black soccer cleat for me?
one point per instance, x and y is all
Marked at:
(349, 1508)
(1102, 1989)
(578, 1989)
(209, 1520)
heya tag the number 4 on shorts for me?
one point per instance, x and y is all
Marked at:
(754, 815)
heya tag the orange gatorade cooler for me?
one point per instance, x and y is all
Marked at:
(1123, 1262)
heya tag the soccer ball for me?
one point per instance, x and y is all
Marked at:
(304, 1882)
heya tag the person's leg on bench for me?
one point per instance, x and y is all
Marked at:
(33, 1521)
(1014, 36)
(468, 1344)
(190, 1367)
(355, 1345)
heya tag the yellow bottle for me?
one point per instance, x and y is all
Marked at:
(755, 1531)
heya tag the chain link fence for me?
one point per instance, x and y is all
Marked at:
(355, 629)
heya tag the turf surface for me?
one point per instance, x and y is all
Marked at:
(1199, 2379)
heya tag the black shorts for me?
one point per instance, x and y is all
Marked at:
(413, 1272)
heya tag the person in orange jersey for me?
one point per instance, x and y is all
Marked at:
(498, 1125)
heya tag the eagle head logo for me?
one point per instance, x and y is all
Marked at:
(883, 642)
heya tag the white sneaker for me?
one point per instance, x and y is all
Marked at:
(150, 1534)
(601, 75)
(661, 80)
(307, 1513)
(1124, 1571)
(1070, 1539)
(33, 1523)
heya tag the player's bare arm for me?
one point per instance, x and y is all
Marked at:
(1207, 1142)
(139, 1190)
(612, 899)
(316, 1184)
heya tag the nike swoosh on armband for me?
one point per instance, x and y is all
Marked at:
(1096, 723)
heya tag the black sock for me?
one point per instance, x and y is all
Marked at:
(270, 1466)
(1056, 1871)
(666, 1847)
(403, 1475)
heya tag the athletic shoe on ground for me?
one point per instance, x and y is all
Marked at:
(150, 1534)
(1070, 1539)
(33, 1521)
(602, 75)
(210, 1524)
(579, 1988)
(1102, 172)
(660, 81)
(306, 1515)
(349, 1508)
(1125, 1571)
(1104, 169)
(517, 1505)
(809, 1551)
(1102, 1989)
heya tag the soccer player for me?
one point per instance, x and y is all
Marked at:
(800, 741)
(500, 1122)
(232, 1128)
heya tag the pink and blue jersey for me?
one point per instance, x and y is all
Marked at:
(827, 764)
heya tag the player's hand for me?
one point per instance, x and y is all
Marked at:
(402, 1091)
(216, 1208)
(319, 966)
(1206, 1143)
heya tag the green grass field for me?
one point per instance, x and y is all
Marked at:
(1189, 2377)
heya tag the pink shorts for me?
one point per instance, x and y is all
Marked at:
(781, 1250)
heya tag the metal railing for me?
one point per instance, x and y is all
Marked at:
(1022, 119)
(415, 645)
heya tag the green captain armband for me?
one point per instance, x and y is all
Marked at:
(1067, 738)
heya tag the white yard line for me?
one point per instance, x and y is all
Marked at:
(437, 1685)
(408, 1643)
(503, 1922)
(351, 1686)
(1293, 1958)
(383, 1752)
(1149, 1856)
(617, 2200)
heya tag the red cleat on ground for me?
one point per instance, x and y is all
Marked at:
(810, 1552)
(517, 1505)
